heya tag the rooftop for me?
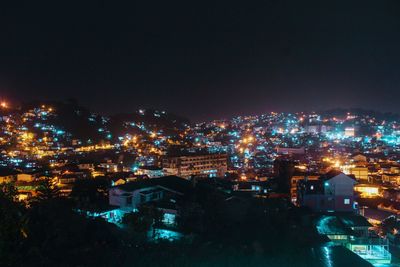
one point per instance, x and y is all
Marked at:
(331, 225)
(171, 182)
(354, 220)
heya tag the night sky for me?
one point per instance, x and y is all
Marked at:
(203, 60)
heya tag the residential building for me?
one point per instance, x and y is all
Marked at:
(359, 159)
(8, 175)
(130, 196)
(290, 150)
(164, 193)
(25, 177)
(391, 178)
(352, 231)
(150, 171)
(333, 191)
(200, 165)
(361, 173)
(295, 180)
(368, 190)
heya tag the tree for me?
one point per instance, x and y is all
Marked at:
(47, 191)
(90, 194)
(284, 170)
(142, 220)
(12, 226)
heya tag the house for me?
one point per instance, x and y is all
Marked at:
(117, 181)
(86, 165)
(359, 159)
(290, 150)
(333, 228)
(361, 173)
(250, 186)
(391, 178)
(109, 166)
(352, 231)
(295, 180)
(391, 194)
(25, 177)
(119, 178)
(333, 191)
(130, 196)
(150, 171)
(8, 175)
(164, 193)
(375, 216)
(67, 179)
(193, 164)
(368, 190)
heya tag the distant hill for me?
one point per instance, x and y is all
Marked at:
(340, 112)
(80, 123)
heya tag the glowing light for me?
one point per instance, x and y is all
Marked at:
(367, 191)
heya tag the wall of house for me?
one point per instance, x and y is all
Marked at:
(329, 203)
(340, 185)
(7, 178)
(116, 197)
(23, 177)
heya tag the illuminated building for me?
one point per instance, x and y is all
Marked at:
(392, 178)
(86, 166)
(361, 173)
(352, 231)
(359, 159)
(164, 192)
(290, 150)
(316, 129)
(25, 177)
(295, 180)
(203, 165)
(333, 191)
(349, 132)
(150, 171)
(367, 191)
(8, 175)
(131, 195)
(391, 194)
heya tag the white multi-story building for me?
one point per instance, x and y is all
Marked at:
(204, 165)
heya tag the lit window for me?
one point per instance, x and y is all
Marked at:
(346, 201)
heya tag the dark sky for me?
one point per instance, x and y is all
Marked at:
(203, 59)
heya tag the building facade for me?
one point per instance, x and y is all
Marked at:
(333, 191)
(208, 165)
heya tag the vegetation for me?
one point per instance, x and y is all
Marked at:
(234, 232)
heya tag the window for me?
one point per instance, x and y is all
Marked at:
(346, 201)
